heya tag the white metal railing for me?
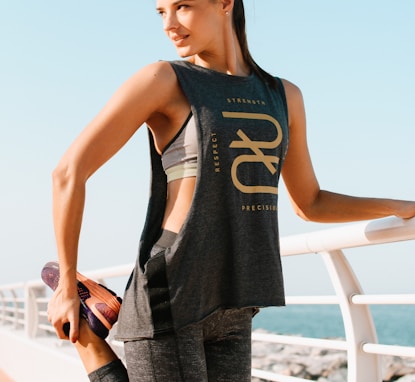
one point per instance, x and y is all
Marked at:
(23, 305)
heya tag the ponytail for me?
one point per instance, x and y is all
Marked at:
(240, 29)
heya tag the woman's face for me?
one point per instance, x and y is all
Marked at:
(194, 26)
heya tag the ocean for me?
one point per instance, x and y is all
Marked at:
(394, 323)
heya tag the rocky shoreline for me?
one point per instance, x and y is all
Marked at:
(321, 365)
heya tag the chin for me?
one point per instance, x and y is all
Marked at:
(183, 53)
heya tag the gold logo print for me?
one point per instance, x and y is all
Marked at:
(270, 161)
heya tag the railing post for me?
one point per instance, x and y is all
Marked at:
(15, 307)
(357, 319)
(31, 319)
(3, 306)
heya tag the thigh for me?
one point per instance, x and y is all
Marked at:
(178, 357)
(228, 346)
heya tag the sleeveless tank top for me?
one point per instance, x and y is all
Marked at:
(227, 254)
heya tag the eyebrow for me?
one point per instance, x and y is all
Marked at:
(181, 1)
(176, 3)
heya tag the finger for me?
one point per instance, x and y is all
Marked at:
(74, 329)
(61, 329)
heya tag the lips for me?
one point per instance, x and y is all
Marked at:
(178, 39)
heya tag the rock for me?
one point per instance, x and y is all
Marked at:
(339, 375)
(395, 367)
(322, 365)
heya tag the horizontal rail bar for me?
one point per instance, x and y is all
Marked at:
(402, 351)
(42, 300)
(386, 299)
(47, 327)
(13, 300)
(304, 341)
(269, 376)
(10, 309)
(9, 318)
(14, 286)
(113, 272)
(311, 300)
(325, 241)
(379, 231)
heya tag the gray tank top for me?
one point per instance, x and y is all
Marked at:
(227, 253)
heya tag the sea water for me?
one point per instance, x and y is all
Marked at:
(394, 323)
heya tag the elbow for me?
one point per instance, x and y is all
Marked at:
(61, 176)
(317, 209)
(304, 213)
(310, 210)
(64, 175)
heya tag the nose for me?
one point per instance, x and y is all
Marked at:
(170, 21)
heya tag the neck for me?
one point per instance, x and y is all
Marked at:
(231, 67)
(232, 54)
(228, 59)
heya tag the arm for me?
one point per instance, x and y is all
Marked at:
(141, 97)
(309, 201)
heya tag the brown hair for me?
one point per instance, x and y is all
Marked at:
(240, 29)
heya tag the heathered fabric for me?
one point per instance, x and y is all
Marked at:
(227, 252)
(114, 371)
(216, 349)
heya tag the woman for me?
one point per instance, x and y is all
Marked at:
(219, 130)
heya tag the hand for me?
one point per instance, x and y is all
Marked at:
(63, 313)
(405, 210)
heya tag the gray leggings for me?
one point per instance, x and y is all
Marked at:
(217, 349)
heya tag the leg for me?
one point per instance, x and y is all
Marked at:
(175, 357)
(217, 349)
(93, 350)
(228, 346)
(99, 310)
(99, 360)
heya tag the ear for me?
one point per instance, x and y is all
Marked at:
(227, 5)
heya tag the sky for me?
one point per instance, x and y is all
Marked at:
(61, 61)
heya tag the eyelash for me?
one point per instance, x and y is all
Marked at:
(179, 7)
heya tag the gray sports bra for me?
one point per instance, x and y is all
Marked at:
(179, 158)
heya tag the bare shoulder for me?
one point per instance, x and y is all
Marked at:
(155, 87)
(154, 76)
(292, 91)
(160, 70)
(295, 104)
(164, 85)
(166, 103)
